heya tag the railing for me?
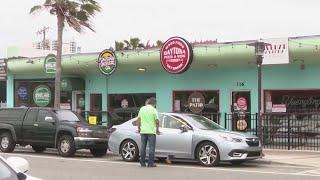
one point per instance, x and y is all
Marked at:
(297, 131)
(291, 131)
(241, 121)
(213, 116)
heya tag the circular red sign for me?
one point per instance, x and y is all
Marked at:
(176, 55)
(242, 102)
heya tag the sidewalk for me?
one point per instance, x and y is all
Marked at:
(298, 158)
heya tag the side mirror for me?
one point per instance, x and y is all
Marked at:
(184, 128)
(49, 119)
(19, 163)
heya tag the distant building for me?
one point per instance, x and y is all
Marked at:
(40, 48)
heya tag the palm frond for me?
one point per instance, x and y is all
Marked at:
(35, 9)
(47, 3)
(73, 23)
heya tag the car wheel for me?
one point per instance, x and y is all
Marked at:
(236, 163)
(7, 143)
(208, 154)
(98, 152)
(38, 149)
(129, 151)
(66, 146)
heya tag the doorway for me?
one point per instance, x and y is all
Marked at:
(241, 110)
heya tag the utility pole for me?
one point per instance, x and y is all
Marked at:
(43, 32)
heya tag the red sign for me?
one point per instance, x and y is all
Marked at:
(176, 55)
(242, 103)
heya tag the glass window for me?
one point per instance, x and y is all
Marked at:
(202, 122)
(32, 115)
(6, 173)
(65, 115)
(122, 107)
(171, 122)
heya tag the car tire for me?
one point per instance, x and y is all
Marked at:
(7, 143)
(98, 152)
(38, 149)
(66, 146)
(129, 151)
(237, 163)
(208, 154)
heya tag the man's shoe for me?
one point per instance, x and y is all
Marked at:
(168, 161)
(143, 165)
(152, 165)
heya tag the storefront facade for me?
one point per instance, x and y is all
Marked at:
(224, 74)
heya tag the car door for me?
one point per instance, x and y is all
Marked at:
(28, 127)
(172, 140)
(46, 131)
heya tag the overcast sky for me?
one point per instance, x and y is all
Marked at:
(225, 20)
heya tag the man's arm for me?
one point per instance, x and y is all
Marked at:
(157, 125)
(139, 124)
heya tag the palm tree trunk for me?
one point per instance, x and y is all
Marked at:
(60, 20)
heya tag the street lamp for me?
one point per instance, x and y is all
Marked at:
(259, 47)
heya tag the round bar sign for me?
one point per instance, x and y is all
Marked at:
(176, 55)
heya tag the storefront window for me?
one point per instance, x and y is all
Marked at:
(198, 102)
(34, 93)
(292, 101)
(122, 107)
(3, 93)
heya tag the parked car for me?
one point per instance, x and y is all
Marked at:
(187, 136)
(50, 128)
(14, 168)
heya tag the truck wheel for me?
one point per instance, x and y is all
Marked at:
(98, 152)
(7, 143)
(66, 146)
(38, 149)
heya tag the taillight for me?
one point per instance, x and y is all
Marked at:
(111, 130)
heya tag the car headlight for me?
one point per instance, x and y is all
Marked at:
(83, 131)
(231, 139)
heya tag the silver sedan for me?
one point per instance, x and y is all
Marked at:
(187, 136)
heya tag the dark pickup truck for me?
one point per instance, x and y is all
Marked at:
(50, 128)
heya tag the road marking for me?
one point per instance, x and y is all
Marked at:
(313, 171)
(170, 166)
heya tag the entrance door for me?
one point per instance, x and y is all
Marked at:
(78, 102)
(241, 108)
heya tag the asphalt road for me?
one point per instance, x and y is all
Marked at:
(83, 166)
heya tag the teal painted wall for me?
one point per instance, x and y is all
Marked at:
(222, 79)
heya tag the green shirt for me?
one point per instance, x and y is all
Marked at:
(148, 116)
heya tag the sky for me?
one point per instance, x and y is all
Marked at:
(151, 20)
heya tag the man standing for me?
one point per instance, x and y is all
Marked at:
(148, 127)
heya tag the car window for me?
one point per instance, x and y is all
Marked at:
(42, 114)
(171, 122)
(32, 115)
(6, 173)
(66, 115)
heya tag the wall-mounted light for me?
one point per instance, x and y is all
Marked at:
(212, 65)
(30, 61)
(302, 65)
(141, 69)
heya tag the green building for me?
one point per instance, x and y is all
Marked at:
(224, 74)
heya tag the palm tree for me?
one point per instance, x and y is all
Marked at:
(77, 14)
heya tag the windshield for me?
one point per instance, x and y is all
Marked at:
(6, 173)
(202, 122)
(66, 115)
